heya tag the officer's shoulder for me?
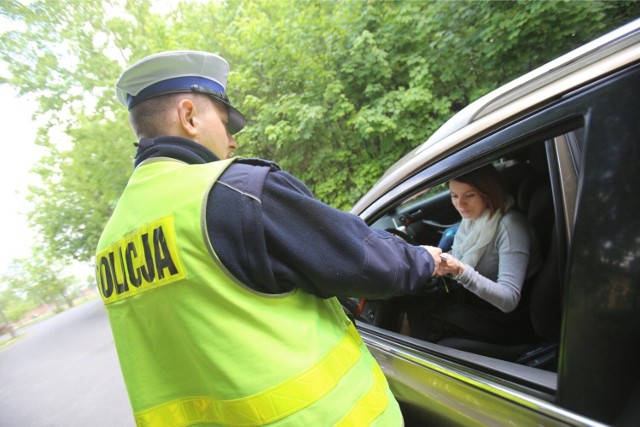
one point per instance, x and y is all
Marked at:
(257, 162)
(254, 174)
(249, 173)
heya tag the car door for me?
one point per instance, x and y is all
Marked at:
(584, 369)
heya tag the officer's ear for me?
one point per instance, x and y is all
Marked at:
(186, 114)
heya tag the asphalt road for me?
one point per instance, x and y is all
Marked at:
(64, 372)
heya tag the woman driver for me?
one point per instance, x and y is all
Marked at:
(494, 252)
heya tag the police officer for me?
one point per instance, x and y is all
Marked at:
(220, 274)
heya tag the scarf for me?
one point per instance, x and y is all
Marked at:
(473, 236)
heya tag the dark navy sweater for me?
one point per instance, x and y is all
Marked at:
(273, 236)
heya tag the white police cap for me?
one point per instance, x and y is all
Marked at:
(178, 71)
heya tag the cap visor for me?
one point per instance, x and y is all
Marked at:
(236, 120)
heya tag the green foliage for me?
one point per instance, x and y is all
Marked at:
(335, 91)
(14, 301)
(16, 308)
(27, 284)
(80, 186)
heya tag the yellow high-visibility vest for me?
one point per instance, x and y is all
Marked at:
(197, 347)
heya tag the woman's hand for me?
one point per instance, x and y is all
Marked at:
(450, 265)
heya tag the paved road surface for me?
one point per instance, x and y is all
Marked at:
(64, 372)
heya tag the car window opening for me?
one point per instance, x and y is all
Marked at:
(428, 217)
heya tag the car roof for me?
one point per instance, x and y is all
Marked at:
(581, 66)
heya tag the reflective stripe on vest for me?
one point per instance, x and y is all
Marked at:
(279, 401)
(371, 405)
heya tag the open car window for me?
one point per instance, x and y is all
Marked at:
(531, 173)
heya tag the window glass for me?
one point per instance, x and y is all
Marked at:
(569, 151)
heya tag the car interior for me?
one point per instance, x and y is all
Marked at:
(426, 214)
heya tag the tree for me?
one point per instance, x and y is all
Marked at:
(30, 282)
(14, 301)
(62, 59)
(43, 280)
(80, 186)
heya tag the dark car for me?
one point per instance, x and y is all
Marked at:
(566, 140)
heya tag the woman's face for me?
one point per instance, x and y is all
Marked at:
(467, 200)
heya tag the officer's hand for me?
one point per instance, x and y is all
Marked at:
(435, 254)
